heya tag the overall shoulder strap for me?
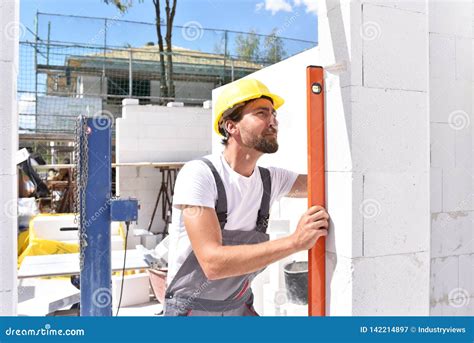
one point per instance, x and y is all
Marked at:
(264, 211)
(221, 203)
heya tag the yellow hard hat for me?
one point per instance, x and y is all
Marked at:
(238, 92)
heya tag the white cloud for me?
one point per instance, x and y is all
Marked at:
(259, 6)
(277, 5)
(311, 5)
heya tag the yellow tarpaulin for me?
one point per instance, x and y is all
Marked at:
(30, 245)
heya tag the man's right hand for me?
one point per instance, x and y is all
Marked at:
(312, 225)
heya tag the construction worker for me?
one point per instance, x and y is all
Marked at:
(218, 239)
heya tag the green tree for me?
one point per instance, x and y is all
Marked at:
(166, 74)
(248, 46)
(274, 47)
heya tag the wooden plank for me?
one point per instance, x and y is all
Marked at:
(114, 165)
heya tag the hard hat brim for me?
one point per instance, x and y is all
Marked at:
(276, 99)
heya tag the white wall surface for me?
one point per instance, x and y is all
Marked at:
(379, 184)
(9, 34)
(451, 100)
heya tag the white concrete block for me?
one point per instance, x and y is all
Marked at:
(345, 229)
(11, 32)
(453, 17)
(451, 102)
(175, 104)
(159, 131)
(442, 56)
(453, 307)
(9, 123)
(268, 304)
(396, 213)
(150, 172)
(128, 144)
(136, 289)
(444, 277)
(292, 209)
(436, 190)
(463, 147)
(339, 285)
(395, 48)
(339, 130)
(464, 58)
(129, 102)
(341, 35)
(132, 156)
(294, 310)
(396, 285)
(466, 275)
(457, 192)
(451, 234)
(8, 245)
(128, 172)
(148, 117)
(257, 288)
(388, 123)
(207, 104)
(442, 145)
(128, 130)
(407, 5)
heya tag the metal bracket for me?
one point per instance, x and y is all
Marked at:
(124, 210)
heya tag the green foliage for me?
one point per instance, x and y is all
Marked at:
(274, 48)
(248, 46)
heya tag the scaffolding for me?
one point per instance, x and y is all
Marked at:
(66, 72)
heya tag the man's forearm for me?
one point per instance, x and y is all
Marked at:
(235, 260)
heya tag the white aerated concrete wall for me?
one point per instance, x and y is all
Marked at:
(451, 101)
(152, 133)
(387, 253)
(9, 31)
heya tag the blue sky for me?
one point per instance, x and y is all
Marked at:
(292, 18)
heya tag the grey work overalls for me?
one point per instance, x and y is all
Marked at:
(190, 293)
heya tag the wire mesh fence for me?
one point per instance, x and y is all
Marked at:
(71, 65)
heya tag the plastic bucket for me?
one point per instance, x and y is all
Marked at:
(296, 280)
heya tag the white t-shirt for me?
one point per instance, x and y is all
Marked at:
(195, 186)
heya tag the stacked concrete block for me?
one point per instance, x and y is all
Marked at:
(451, 96)
(377, 152)
(398, 97)
(10, 31)
(156, 134)
(383, 114)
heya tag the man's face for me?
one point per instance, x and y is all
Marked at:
(259, 126)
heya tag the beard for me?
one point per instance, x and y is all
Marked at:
(267, 144)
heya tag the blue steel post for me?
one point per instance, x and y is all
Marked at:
(96, 274)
